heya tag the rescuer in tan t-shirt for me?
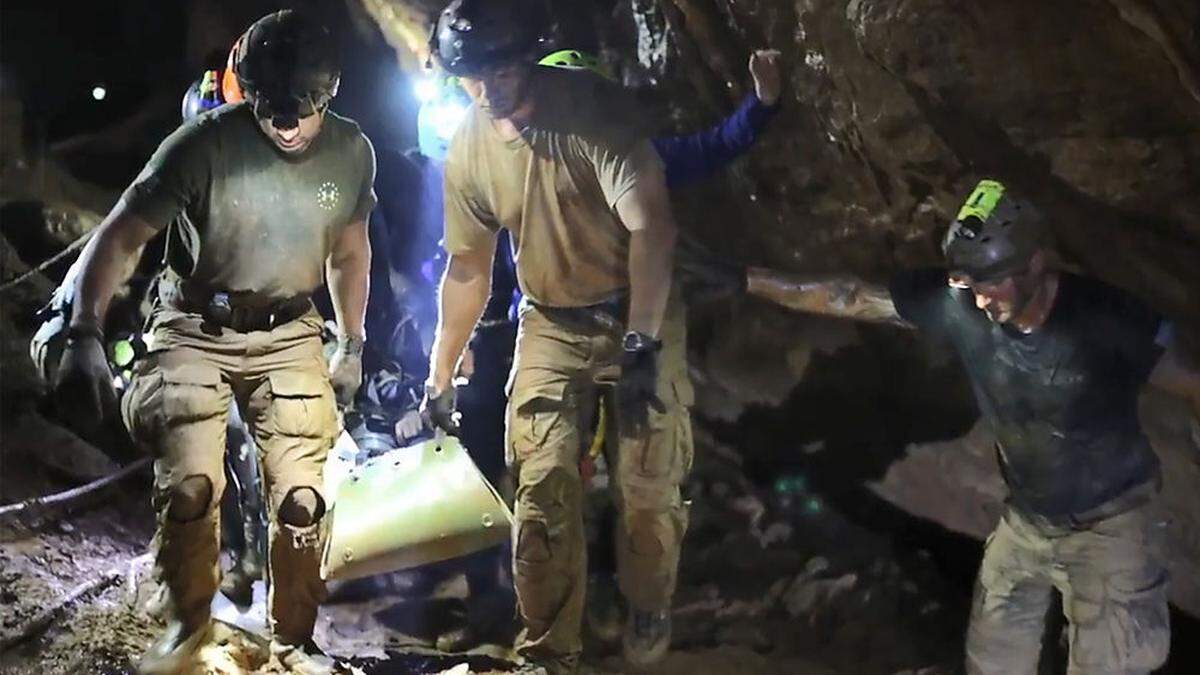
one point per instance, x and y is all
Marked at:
(561, 160)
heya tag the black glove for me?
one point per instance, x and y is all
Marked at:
(345, 369)
(83, 387)
(706, 277)
(437, 410)
(636, 390)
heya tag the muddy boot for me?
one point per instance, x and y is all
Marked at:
(302, 659)
(647, 637)
(175, 651)
(237, 583)
(603, 610)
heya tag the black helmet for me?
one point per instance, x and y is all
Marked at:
(994, 235)
(288, 65)
(471, 35)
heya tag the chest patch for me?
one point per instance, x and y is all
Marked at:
(328, 195)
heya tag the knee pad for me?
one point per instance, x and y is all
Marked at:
(190, 499)
(301, 507)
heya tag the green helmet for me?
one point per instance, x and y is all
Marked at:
(994, 234)
(574, 59)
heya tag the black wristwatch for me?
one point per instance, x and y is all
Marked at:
(640, 342)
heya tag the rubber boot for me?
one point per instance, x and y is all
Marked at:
(647, 638)
(175, 651)
(237, 583)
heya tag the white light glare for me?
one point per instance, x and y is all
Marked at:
(425, 89)
(99, 92)
(446, 119)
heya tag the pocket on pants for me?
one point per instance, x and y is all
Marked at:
(302, 404)
(165, 398)
(1127, 630)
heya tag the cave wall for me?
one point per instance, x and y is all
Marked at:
(893, 110)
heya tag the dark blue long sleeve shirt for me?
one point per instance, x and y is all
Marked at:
(691, 157)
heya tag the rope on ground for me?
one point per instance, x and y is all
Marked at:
(44, 618)
(73, 494)
(46, 264)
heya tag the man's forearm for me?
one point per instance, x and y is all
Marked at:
(348, 273)
(651, 261)
(836, 296)
(461, 299)
(107, 261)
(349, 287)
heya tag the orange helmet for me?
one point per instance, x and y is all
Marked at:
(230, 89)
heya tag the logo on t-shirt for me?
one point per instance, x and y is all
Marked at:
(327, 195)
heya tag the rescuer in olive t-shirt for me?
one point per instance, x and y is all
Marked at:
(258, 198)
(563, 161)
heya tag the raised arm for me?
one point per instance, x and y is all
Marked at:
(844, 297)
(691, 157)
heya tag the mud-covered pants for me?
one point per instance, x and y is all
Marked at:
(176, 407)
(1114, 591)
(562, 364)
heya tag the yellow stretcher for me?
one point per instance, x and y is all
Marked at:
(412, 506)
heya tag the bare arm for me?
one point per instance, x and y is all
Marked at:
(461, 299)
(646, 212)
(835, 296)
(106, 262)
(348, 270)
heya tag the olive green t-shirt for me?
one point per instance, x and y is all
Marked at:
(555, 188)
(244, 217)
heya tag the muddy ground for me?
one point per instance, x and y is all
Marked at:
(774, 580)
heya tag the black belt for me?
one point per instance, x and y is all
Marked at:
(239, 312)
(610, 315)
(1138, 495)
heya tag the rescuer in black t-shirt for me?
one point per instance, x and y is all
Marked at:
(1056, 362)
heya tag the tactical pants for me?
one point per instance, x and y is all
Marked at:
(177, 408)
(1114, 589)
(561, 366)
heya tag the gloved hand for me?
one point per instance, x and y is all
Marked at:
(637, 387)
(438, 409)
(704, 277)
(83, 387)
(345, 369)
(410, 426)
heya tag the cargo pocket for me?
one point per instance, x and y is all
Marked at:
(166, 398)
(302, 404)
(536, 422)
(1126, 631)
(665, 451)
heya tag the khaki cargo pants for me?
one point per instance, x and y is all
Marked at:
(1114, 589)
(176, 408)
(560, 369)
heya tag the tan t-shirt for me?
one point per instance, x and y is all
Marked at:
(243, 217)
(555, 188)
